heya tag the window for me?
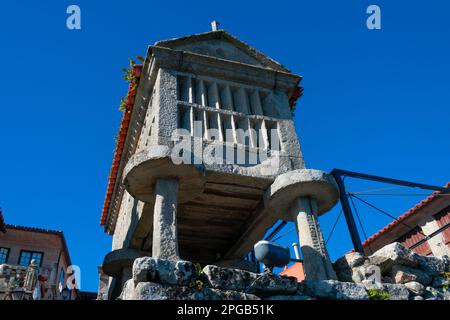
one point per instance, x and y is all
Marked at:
(4, 253)
(26, 257)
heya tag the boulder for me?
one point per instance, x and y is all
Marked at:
(345, 275)
(334, 290)
(349, 261)
(128, 291)
(446, 260)
(238, 264)
(359, 274)
(366, 272)
(290, 298)
(155, 291)
(393, 254)
(418, 298)
(372, 285)
(433, 294)
(396, 291)
(403, 274)
(415, 287)
(432, 265)
(263, 284)
(149, 269)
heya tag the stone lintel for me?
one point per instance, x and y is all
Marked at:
(231, 70)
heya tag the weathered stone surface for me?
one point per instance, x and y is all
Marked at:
(163, 271)
(372, 285)
(238, 264)
(263, 284)
(403, 274)
(396, 291)
(128, 291)
(334, 290)
(415, 287)
(345, 275)
(349, 261)
(293, 297)
(307, 183)
(418, 298)
(388, 280)
(433, 294)
(393, 254)
(446, 260)
(155, 291)
(359, 274)
(432, 265)
(366, 272)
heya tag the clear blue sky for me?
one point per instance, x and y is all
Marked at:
(375, 101)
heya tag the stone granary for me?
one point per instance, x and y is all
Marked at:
(208, 160)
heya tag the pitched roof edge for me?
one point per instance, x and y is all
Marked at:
(404, 216)
(221, 34)
(124, 125)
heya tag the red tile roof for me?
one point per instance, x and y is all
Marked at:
(405, 215)
(2, 222)
(119, 147)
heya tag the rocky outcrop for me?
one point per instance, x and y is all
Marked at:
(148, 269)
(393, 254)
(404, 274)
(392, 273)
(397, 273)
(263, 284)
(334, 290)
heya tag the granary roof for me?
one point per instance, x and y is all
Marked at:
(221, 44)
(193, 43)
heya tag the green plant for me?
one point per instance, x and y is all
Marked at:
(130, 77)
(197, 283)
(378, 294)
(446, 276)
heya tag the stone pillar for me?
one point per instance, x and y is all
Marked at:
(165, 239)
(316, 262)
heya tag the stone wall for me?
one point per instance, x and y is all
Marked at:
(392, 273)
